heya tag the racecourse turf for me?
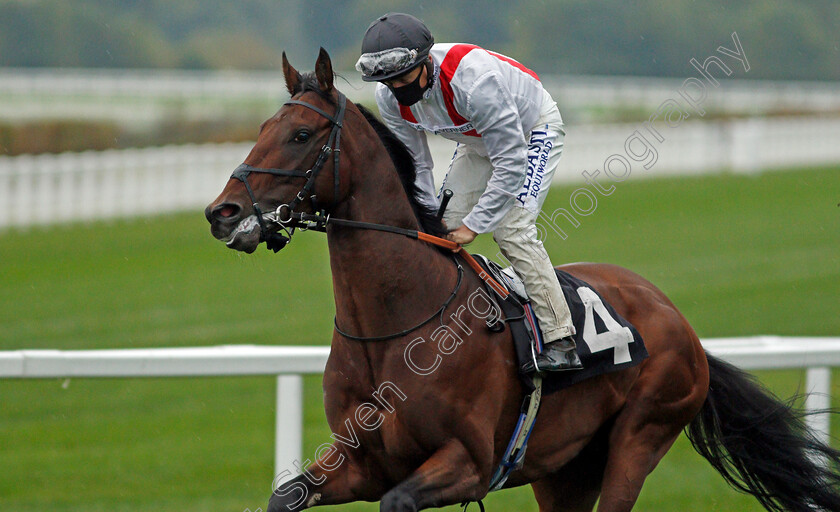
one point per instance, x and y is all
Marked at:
(738, 254)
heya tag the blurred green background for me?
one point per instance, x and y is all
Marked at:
(739, 255)
(784, 39)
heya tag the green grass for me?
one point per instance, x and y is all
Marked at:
(739, 255)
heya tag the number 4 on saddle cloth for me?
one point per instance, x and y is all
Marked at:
(606, 342)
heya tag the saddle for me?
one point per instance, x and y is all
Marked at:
(606, 342)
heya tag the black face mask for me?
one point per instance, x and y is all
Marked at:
(410, 94)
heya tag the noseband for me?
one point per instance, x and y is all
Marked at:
(285, 213)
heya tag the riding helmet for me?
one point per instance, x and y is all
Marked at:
(393, 44)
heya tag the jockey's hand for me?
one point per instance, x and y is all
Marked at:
(462, 235)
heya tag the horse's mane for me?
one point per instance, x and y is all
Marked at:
(407, 172)
(399, 154)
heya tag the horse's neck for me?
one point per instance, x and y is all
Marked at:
(383, 281)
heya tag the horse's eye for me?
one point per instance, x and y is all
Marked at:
(302, 136)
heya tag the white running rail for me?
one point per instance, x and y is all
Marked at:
(290, 363)
(54, 188)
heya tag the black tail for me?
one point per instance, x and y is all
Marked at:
(761, 445)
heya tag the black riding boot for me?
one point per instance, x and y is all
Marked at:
(558, 356)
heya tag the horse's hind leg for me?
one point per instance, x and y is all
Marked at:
(668, 393)
(651, 420)
(634, 453)
(575, 487)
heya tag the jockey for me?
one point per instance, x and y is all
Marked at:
(509, 134)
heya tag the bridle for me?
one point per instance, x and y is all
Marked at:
(287, 218)
(285, 214)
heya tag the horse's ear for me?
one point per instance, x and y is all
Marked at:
(292, 76)
(323, 70)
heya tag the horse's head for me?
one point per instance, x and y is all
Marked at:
(292, 169)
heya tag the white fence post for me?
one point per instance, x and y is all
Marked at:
(746, 145)
(818, 386)
(288, 436)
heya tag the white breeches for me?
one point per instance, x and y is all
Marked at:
(516, 235)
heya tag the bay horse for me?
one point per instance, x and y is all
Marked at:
(414, 440)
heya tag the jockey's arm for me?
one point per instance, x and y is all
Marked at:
(415, 141)
(494, 115)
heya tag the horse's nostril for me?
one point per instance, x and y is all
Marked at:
(226, 212)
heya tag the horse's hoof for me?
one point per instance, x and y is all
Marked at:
(397, 501)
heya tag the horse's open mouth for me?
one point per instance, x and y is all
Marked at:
(246, 235)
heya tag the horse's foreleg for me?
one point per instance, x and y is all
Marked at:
(331, 480)
(449, 476)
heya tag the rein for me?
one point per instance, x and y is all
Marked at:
(287, 218)
(320, 222)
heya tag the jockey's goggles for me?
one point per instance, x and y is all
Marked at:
(386, 64)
